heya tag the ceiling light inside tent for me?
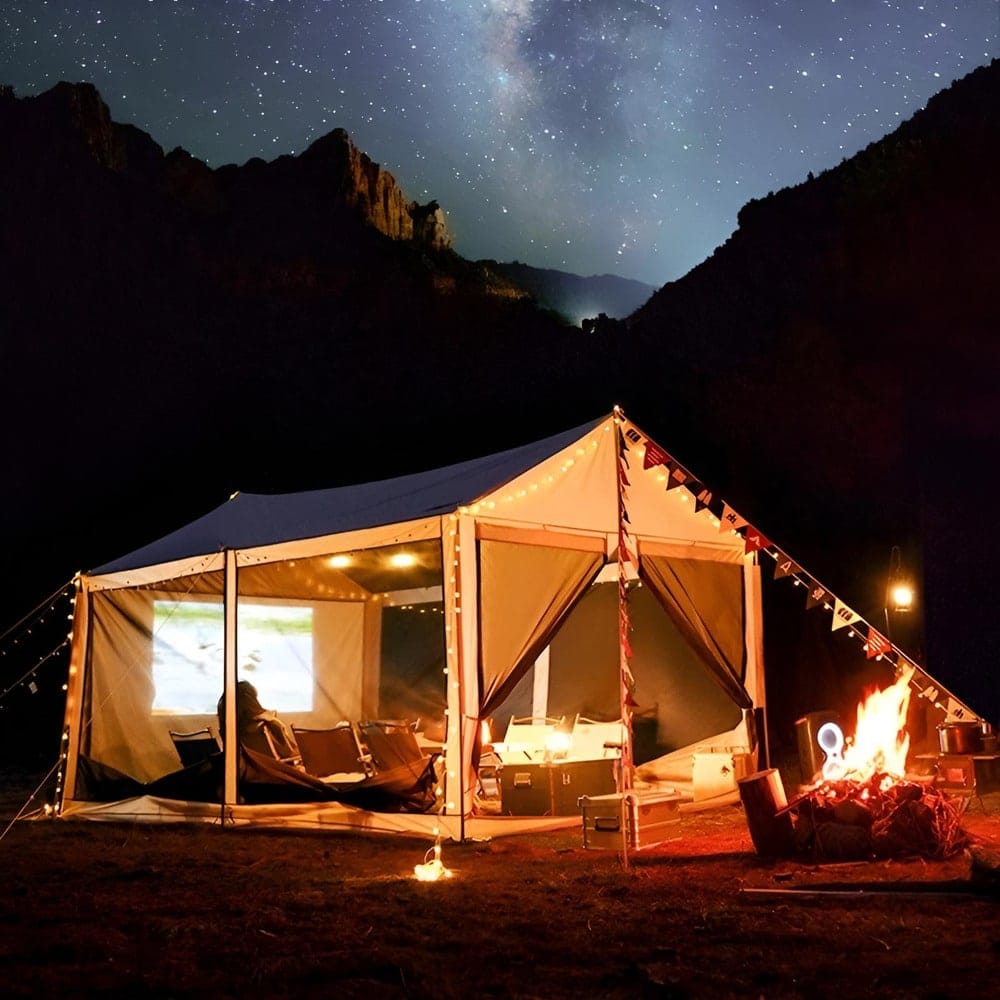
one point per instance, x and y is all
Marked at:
(340, 562)
(403, 560)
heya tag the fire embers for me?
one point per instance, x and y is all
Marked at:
(879, 818)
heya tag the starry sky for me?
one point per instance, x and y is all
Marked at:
(593, 136)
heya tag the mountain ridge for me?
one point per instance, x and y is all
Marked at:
(171, 344)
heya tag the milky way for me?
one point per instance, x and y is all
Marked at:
(595, 136)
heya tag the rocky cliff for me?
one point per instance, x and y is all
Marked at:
(330, 178)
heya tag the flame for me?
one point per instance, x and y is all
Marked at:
(880, 742)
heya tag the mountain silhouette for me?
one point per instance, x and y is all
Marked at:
(173, 333)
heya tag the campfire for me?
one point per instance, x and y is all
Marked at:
(864, 806)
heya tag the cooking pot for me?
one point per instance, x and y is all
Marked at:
(960, 737)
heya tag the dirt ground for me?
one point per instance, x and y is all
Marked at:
(94, 909)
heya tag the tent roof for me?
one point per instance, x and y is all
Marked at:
(252, 519)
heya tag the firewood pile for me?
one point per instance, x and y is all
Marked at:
(848, 820)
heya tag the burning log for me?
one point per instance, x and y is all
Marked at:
(882, 817)
(863, 807)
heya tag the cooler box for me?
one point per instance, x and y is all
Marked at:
(648, 819)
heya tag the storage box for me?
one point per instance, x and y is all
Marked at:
(553, 788)
(648, 820)
(604, 817)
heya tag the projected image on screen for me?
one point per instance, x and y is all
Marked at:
(275, 650)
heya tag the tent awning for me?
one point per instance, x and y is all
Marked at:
(253, 519)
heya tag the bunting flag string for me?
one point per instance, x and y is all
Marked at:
(625, 556)
(876, 646)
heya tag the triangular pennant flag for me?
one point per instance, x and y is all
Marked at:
(730, 520)
(956, 711)
(655, 455)
(842, 615)
(785, 566)
(678, 476)
(876, 645)
(817, 595)
(623, 551)
(755, 541)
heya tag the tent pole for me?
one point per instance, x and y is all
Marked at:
(624, 650)
(229, 740)
(79, 660)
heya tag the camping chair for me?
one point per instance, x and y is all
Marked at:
(404, 772)
(392, 744)
(195, 747)
(281, 742)
(336, 751)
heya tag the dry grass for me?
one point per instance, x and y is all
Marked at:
(98, 909)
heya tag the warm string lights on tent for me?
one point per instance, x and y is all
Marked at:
(16, 644)
(28, 678)
(48, 809)
(876, 646)
(527, 490)
(432, 868)
(16, 640)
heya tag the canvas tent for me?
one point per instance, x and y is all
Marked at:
(567, 585)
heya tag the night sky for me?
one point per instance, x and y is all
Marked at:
(595, 136)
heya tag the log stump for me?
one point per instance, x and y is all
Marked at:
(765, 805)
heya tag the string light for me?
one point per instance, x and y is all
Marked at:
(433, 868)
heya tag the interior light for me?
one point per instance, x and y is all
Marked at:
(557, 743)
(403, 560)
(340, 562)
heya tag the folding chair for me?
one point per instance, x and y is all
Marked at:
(402, 768)
(327, 752)
(281, 742)
(392, 743)
(195, 747)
